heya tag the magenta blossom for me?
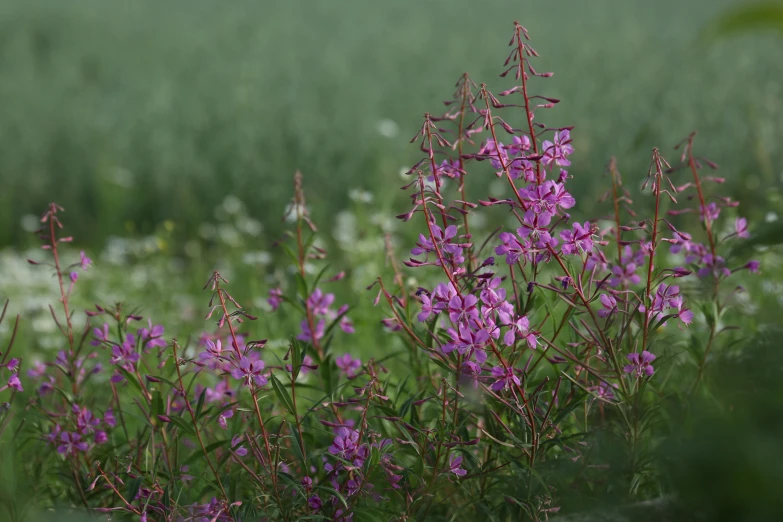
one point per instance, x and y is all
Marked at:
(505, 378)
(609, 304)
(250, 371)
(455, 466)
(275, 298)
(640, 364)
(557, 151)
(348, 365)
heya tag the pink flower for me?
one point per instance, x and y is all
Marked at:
(249, 371)
(741, 227)
(455, 466)
(348, 365)
(640, 364)
(15, 383)
(609, 304)
(275, 298)
(505, 377)
(556, 152)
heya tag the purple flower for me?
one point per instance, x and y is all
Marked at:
(346, 446)
(249, 371)
(577, 240)
(462, 309)
(505, 377)
(684, 314)
(307, 335)
(275, 298)
(492, 295)
(320, 302)
(472, 371)
(741, 227)
(101, 335)
(15, 383)
(535, 226)
(640, 364)
(753, 266)
(518, 328)
(466, 341)
(604, 391)
(74, 276)
(714, 265)
(152, 336)
(711, 213)
(222, 418)
(609, 304)
(512, 248)
(624, 276)
(84, 261)
(455, 466)
(665, 297)
(557, 151)
(108, 418)
(71, 443)
(348, 365)
(315, 502)
(214, 351)
(125, 355)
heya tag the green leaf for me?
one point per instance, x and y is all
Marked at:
(282, 394)
(133, 488)
(200, 404)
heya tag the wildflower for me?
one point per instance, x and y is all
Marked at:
(624, 276)
(250, 371)
(240, 451)
(84, 261)
(15, 383)
(683, 314)
(577, 240)
(125, 355)
(609, 304)
(319, 302)
(753, 266)
(152, 336)
(307, 335)
(74, 276)
(505, 377)
(640, 364)
(512, 248)
(518, 328)
(101, 335)
(315, 502)
(346, 446)
(348, 365)
(535, 226)
(710, 212)
(741, 227)
(71, 443)
(214, 350)
(275, 298)
(472, 371)
(466, 341)
(455, 466)
(222, 418)
(462, 309)
(556, 152)
(604, 391)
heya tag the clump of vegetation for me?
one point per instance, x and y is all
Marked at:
(535, 367)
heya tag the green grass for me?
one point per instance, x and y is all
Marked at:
(129, 114)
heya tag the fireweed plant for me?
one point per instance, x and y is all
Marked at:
(524, 344)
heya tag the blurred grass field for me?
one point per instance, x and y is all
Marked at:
(130, 114)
